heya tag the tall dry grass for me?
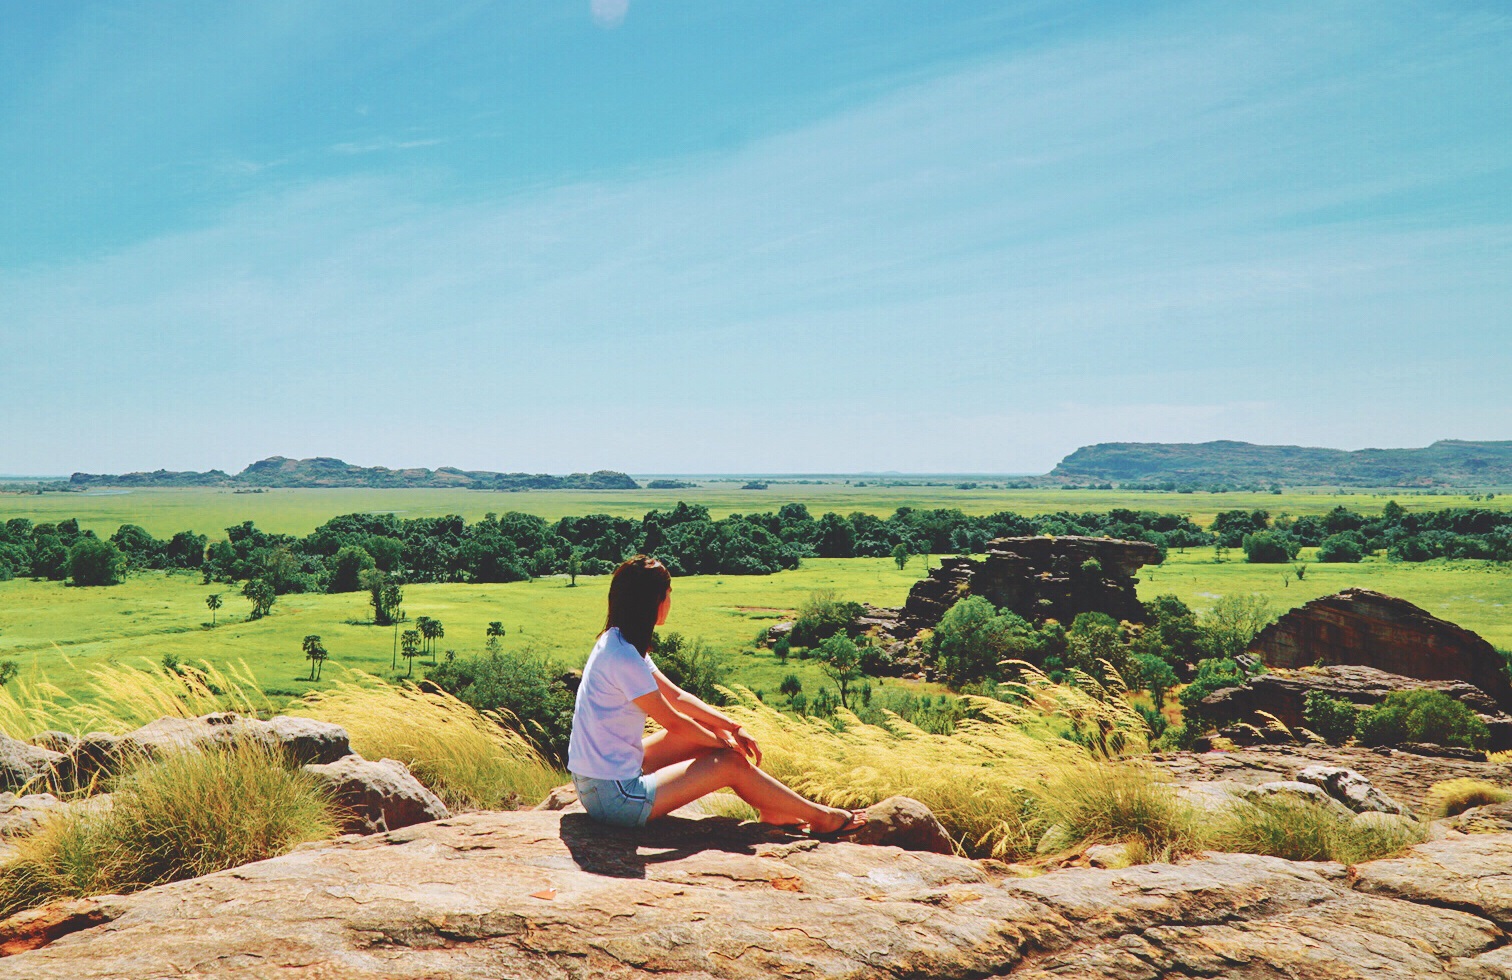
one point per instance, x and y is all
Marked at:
(469, 758)
(181, 816)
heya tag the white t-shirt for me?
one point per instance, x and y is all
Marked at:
(607, 724)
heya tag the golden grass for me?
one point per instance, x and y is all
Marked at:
(1111, 803)
(181, 816)
(468, 758)
(1454, 796)
(980, 781)
(1299, 830)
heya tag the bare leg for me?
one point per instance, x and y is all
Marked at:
(692, 779)
(663, 749)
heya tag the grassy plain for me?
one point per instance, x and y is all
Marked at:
(210, 511)
(58, 630)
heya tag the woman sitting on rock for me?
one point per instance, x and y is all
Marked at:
(624, 778)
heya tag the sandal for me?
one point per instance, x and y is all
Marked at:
(856, 822)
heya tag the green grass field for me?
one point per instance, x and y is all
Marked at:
(210, 511)
(61, 631)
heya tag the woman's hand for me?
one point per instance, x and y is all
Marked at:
(747, 745)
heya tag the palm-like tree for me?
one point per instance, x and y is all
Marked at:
(315, 653)
(410, 644)
(433, 631)
(213, 602)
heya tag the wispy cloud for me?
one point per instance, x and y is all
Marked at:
(609, 13)
(1086, 243)
(382, 144)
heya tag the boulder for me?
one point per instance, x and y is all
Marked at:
(1370, 629)
(23, 764)
(63, 742)
(1351, 789)
(95, 754)
(1296, 791)
(309, 741)
(379, 795)
(1491, 818)
(1283, 692)
(560, 798)
(550, 894)
(20, 815)
(904, 822)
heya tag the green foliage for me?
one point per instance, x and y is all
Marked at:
(693, 666)
(1348, 546)
(1233, 622)
(1212, 674)
(524, 687)
(384, 594)
(900, 554)
(1331, 718)
(1116, 803)
(790, 686)
(1269, 548)
(348, 567)
(1300, 830)
(1422, 716)
(972, 637)
(95, 562)
(821, 616)
(1096, 642)
(840, 659)
(316, 653)
(1154, 674)
(261, 595)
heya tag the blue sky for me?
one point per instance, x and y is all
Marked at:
(699, 236)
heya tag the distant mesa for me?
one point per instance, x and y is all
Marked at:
(1448, 462)
(278, 472)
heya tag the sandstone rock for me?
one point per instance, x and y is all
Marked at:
(1492, 818)
(380, 795)
(1291, 789)
(1351, 789)
(1037, 577)
(22, 764)
(1441, 751)
(37, 927)
(1358, 626)
(309, 741)
(1108, 856)
(21, 815)
(63, 742)
(1473, 873)
(560, 798)
(94, 755)
(904, 822)
(1283, 692)
(543, 894)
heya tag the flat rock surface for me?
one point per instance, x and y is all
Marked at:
(1403, 776)
(552, 895)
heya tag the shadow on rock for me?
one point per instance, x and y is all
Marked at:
(624, 852)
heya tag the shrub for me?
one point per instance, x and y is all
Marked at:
(1348, 546)
(179, 817)
(1212, 674)
(1455, 796)
(521, 686)
(92, 561)
(1232, 624)
(1269, 548)
(695, 667)
(469, 758)
(1421, 716)
(1330, 718)
(1122, 802)
(1300, 830)
(972, 637)
(821, 616)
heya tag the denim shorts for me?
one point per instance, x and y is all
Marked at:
(621, 802)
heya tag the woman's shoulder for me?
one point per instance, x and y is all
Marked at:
(613, 641)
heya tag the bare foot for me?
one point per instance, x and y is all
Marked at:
(843, 822)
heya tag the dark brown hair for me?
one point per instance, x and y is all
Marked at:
(635, 595)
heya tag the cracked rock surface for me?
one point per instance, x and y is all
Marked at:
(549, 894)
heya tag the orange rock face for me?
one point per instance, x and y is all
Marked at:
(1370, 629)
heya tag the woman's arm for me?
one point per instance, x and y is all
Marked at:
(698, 711)
(669, 717)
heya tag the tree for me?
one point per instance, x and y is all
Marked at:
(347, 568)
(92, 561)
(971, 638)
(432, 630)
(213, 603)
(495, 633)
(315, 653)
(261, 595)
(409, 644)
(1154, 675)
(840, 659)
(384, 595)
(1234, 621)
(791, 685)
(900, 555)
(1346, 546)
(574, 567)
(1269, 548)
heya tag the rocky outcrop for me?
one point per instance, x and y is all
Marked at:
(1370, 629)
(550, 894)
(1283, 693)
(377, 796)
(23, 764)
(1038, 578)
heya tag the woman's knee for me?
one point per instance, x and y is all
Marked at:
(728, 760)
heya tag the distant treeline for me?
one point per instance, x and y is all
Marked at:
(514, 546)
